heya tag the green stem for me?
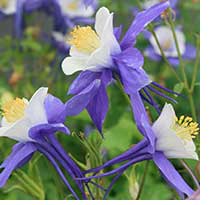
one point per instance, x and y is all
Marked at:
(163, 54)
(188, 169)
(184, 76)
(195, 70)
(143, 179)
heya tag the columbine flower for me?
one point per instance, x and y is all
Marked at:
(33, 124)
(99, 54)
(167, 42)
(7, 7)
(175, 136)
(173, 139)
(76, 8)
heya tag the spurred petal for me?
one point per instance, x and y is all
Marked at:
(83, 80)
(133, 76)
(43, 130)
(55, 109)
(79, 102)
(171, 175)
(14, 162)
(141, 20)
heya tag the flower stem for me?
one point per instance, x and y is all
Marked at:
(184, 76)
(188, 169)
(143, 179)
(163, 54)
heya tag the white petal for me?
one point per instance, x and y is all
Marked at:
(11, 7)
(108, 37)
(17, 131)
(35, 110)
(75, 53)
(101, 18)
(101, 58)
(71, 65)
(166, 118)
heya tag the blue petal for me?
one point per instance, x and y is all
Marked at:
(44, 130)
(83, 80)
(79, 102)
(141, 20)
(23, 153)
(133, 77)
(55, 109)
(171, 175)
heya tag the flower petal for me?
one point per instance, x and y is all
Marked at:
(35, 110)
(14, 162)
(141, 20)
(171, 175)
(71, 65)
(101, 18)
(77, 103)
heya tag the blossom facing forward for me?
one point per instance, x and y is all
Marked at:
(92, 49)
(8, 7)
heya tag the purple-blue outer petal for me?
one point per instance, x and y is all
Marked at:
(83, 80)
(77, 103)
(133, 77)
(171, 175)
(118, 32)
(44, 130)
(190, 52)
(14, 162)
(98, 106)
(141, 20)
(55, 109)
(142, 120)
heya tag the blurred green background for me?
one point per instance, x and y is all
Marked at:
(38, 64)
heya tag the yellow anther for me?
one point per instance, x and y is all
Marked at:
(3, 3)
(73, 5)
(185, 128)
(14, 109)
(84, 39)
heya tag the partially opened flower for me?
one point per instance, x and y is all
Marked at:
(33, 124)
(175, 136)
(7, 7)
(173, 139)
(167, 43)
(101, 56)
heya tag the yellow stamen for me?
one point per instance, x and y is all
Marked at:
(73, 5)
(3, 3)
(84, 39)
(14, 109)
(185, 128)
(166, 44)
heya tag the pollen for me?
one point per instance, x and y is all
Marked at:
(73, 5)
(185, 128)
(84, 39)
(14, 109)
(3, 3)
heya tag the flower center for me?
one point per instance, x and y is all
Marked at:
(166, 44)
(73, 5)
(3, 3)
(13, 110)
(185, 128)
(84, 39)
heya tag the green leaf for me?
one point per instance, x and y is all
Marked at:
(179, 87)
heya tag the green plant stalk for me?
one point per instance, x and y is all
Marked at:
(184, 76)
(188, 169)
(143, 179)
(163, 54)
(196, 66)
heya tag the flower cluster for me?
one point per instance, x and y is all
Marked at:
(101, 55)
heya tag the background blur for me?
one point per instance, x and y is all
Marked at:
(32, 62)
